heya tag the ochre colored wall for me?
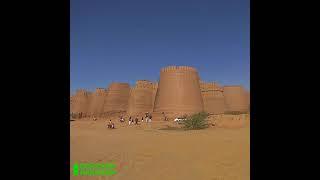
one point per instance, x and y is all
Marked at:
(140, 98)
(154, 92)
(117, 97)
(96, 107)
(248, 99)
(178, 91)
(235, 98)
(81, 101)
(71, 104)
(213, 99)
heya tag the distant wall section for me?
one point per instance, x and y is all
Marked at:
(213, 98)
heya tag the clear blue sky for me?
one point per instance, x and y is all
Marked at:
(128, 40)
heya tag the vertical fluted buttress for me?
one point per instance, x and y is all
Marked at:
(117, 97)
(178, 91)
(235, 99)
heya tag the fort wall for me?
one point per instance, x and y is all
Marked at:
(117, 97)
(140, 98)
(213, 98)
(96, 107)
(81, 101)
(179, 91)
(235, 99)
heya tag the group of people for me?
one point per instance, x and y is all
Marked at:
(132, 121)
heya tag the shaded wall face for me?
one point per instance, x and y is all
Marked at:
(213, 99)
(178, 91)
(140, 101)
(96, 107)
(81, 102)
(117, 97)
(248, 99)
(154, 93)
(213, 102)
(71, 104)
(235, 99)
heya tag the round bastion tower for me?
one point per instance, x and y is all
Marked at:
(178, 91)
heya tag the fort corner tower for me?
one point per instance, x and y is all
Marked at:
(178, 91)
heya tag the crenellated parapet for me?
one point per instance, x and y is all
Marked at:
(178, 69)
(100, 91)
(210, 86)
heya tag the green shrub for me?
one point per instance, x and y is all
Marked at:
(196, 121)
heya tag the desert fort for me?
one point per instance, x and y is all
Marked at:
(179, 91)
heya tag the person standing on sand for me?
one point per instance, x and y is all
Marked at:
(165, 117)
(150, 118)
(147, 117)
(110, 124)
(130, 120)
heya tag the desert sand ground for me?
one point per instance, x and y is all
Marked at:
(221, 152)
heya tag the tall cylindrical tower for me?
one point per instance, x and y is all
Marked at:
(235, 98)
(117, 97)
(178, 91)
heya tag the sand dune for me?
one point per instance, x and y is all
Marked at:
(220, 152)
